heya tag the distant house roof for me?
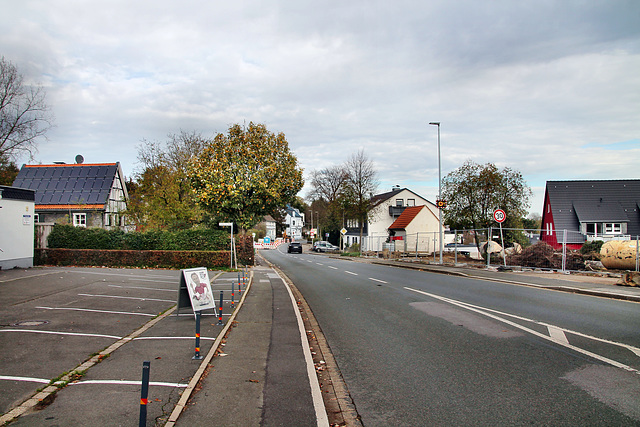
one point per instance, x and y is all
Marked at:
(380, 198)
(13, 193)
(575, 202)
(293, 212)
(406, 217)
(62, 186)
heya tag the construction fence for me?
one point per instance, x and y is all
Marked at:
(522, 248)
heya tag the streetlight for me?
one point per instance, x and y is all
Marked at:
(439, 193)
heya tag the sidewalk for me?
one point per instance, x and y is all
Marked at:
(261, 375)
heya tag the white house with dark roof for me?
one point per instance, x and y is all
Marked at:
(294, 221)
(387, 208)
(85, 195)
(590, 210)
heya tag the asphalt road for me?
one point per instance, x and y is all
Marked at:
(417, 348)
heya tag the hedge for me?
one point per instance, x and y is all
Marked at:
(70, 237)
(144, 258)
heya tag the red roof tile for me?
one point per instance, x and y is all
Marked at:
(405, 218)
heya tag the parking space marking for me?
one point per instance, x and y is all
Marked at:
(171, 338)
(143, 287)
(136, 298)
(127, 382)
(25, 379)
(97, 311)
(116, 382)
(61, 333)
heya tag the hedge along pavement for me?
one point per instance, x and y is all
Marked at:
(70, 245)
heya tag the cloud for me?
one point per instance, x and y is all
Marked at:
(547, 88)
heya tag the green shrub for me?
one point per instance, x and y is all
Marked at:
(70, 237)
(590, 247)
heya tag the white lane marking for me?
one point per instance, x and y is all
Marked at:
(61, 333)
(377, 280)
(316, 392)
(332, 267)
(631, 348)
(171, 338)
(118, 382)
(135, 298)
(485, 312)
(98, 311)
(126, 382)
(349, 272)
(143, 287)
(309, 260)
(128, 276)
(25, 379)
(557, 334)
(319, 263)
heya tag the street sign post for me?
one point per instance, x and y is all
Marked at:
(499, 216)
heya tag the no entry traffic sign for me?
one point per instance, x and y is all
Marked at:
(499, 215)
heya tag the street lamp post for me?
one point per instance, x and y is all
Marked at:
(441, 239)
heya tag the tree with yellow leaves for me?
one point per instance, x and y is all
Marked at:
(245, 174)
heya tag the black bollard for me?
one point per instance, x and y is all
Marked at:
(144, 393)
(197, 356)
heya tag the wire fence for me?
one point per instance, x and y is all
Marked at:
(508, 247)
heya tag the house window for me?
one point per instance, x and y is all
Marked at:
(79, 220)
(613, 228)
(36, 218)
(549, 229)
(411, 202)
(399, 202)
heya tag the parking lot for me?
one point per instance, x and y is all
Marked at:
(55, 319)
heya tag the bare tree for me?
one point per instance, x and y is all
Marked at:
(24, 115)
(327, 184)
(360, 185)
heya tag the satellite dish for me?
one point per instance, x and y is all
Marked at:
(79, 159)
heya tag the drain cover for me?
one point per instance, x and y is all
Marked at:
(31, 323)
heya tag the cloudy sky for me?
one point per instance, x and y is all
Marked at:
(549, 88)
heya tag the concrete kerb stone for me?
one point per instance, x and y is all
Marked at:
(186, 394)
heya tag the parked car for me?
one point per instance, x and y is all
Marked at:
(324, 246)
(294, 247)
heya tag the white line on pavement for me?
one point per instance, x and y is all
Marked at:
(143, 287)
(25, 379)
(98, 311)
(485, 312)
(115, 296)
(125, 382)
(349, 272)
(377, 280)
(557, 334)
(61, 333)
(332, 267)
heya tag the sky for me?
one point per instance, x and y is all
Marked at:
(548, 88)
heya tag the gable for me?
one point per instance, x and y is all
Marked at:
(573, 202)
(63, 185)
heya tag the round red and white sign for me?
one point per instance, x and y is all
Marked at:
(499, 215)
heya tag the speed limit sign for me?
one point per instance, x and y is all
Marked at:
(499, 215)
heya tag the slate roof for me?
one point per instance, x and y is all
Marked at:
(406, 217)
(68, 185)
(573, 202)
